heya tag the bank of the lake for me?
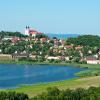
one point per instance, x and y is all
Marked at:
(93, 66)
(71, 84)
(89, 72)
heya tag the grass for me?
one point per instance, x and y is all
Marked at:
(90, 72)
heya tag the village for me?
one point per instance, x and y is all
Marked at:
(37, 47)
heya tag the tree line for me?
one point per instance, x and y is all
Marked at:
(13, 96)
(85, 40)
(5, 33)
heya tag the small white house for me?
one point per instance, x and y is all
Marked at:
(93, 61)
(51, 57)
(67, 58)
(8, 38)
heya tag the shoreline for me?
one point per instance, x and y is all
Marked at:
(36, 89)
(93, 66)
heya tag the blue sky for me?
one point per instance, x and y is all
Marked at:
(51, 16)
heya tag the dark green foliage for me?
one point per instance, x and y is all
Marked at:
(17, 34)
(13, 96)
(93, 93)
(41, 36)
(85, 40)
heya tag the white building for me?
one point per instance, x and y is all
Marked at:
(52, 57)
(31, 32)
(93, 61)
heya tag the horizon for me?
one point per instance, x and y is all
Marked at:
(62, 17)
(77, 34)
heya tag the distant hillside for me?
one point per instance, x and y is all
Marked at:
(85, 40)
(17, 34)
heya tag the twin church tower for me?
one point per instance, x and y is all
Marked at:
(32, 32)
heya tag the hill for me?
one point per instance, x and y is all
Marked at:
(85, 40)
(5, 33)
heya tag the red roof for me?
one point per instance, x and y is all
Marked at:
(69, 46)
(34, 32)
(94, 60)
(78, 47)
(15, 39)
(43, 39)
(39, 32)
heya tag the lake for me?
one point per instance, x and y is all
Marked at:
(12, 75)
(62, 36)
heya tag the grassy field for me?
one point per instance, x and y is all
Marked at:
(90, 72)
(72, 84)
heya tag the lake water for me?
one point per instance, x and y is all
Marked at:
(62, 36)
(12, 75)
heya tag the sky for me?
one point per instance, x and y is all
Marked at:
(51, 16)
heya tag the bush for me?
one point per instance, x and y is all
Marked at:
(54, 93)
(13, 96)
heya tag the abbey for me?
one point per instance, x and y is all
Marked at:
(31, 32)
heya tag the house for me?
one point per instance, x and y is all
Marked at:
(68, 47)
(90, 52)
(15, 39)
(78, 47)
(62, 58)
(67, 58)
(20, 55)
(52, 57)
(7, 38)
(93, 61)
(5, 57)
(32, 56)
(90, 58)
(43, 39)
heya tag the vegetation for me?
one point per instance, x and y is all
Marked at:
(95, 66)
(85, 40)
(37, 89)
(43, 47)
(54, 93)
(91, 72)
(41, 36)
(92, 93)
(13, 96)
(5, 34)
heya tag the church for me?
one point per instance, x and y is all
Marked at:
(31, 32)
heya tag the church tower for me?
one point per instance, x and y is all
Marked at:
(27, 30)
